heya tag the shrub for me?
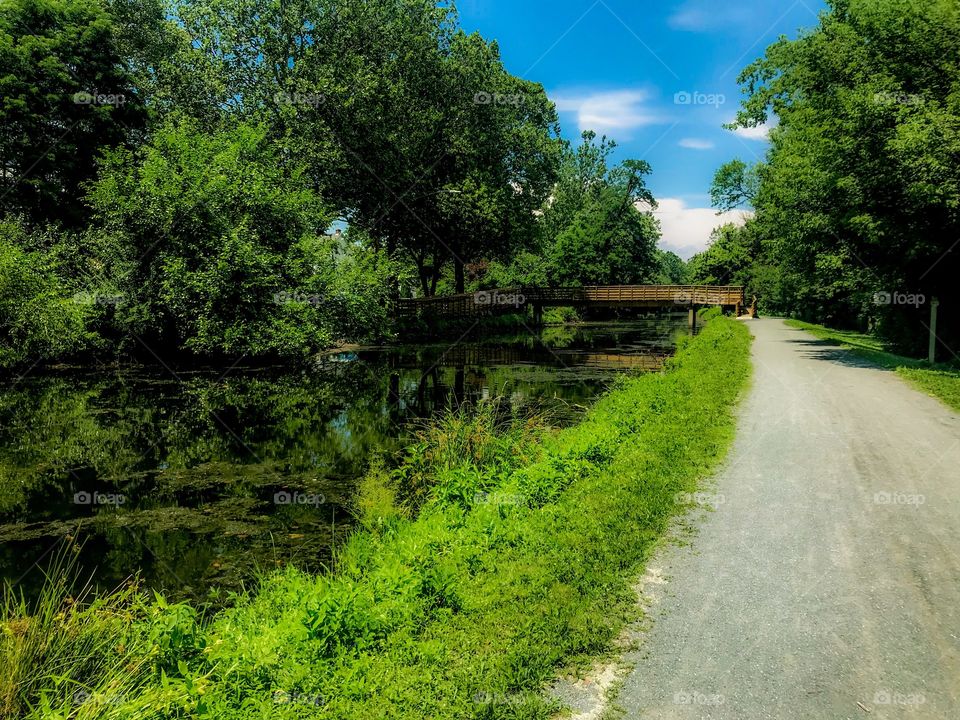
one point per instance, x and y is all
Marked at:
(40, 318)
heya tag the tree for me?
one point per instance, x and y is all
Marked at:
(411, 128)
(40, 318)
(728, 259)
(860, 192)
(65, 95)
(202, 237)
(593, 228)
(734, 184)
(671, 269)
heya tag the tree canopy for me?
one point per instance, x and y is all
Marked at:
(857, 199)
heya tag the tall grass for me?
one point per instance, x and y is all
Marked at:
(495, 554)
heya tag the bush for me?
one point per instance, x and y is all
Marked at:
(198, 231)
(40, 318)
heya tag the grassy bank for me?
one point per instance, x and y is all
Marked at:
(942, 381)
(511, 555)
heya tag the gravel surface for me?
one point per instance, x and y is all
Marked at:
(826, 581)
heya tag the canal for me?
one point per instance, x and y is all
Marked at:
(199, 479)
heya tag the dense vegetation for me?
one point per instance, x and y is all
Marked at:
(857, 199)
(492, 555)
(172, 170)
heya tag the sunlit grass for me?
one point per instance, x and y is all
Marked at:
(497, 552)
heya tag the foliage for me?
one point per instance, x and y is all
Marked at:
(520, 559)
(86, 657)
(728, 259)
(64, 95)
(859, 191)
(408, 124)
(198, 232)
(40, 318)
(734, 184)
(671, 269)
(595, 229)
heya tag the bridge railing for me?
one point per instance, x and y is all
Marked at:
(503, 300)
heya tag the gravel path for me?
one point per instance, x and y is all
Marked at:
(826, 583)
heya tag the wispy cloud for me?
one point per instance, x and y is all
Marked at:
(696, 144)
(613, 112)
(689, 18)
(686, 230)
(760, 132)
(704, 15)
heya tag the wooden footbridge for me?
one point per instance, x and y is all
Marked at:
(503, 301)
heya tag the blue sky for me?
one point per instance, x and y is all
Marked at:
(657, 76)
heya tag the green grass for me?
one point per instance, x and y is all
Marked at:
(941, 381)
(513, 557)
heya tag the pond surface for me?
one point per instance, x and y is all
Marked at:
(199, 479)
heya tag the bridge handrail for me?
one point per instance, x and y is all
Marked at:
(677, 294)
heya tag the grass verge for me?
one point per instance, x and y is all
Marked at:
(941, 381)
(513, 556)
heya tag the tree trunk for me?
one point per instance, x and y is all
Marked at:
(458, 274)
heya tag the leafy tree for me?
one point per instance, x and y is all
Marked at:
(40, 318)
(860, 189)
(728, 259)
(410, 127)
(198, 235)
(734, 184)
(593, 228)
(65, 94)
(671, 269)
(170, 73)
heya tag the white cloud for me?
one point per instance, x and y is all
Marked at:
(609, 112)
(704, 15)
(686, 230)
(689, 18)
(695, 144)
(760, 132)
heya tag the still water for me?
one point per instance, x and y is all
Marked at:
(199, 480)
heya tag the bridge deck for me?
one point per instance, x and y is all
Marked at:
(504, 300)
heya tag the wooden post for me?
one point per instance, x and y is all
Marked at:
(692, 317)
(932, 347)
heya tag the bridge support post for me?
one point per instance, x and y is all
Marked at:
(538, 314)
(692, 317)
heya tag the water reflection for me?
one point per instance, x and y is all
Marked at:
(200, 480)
